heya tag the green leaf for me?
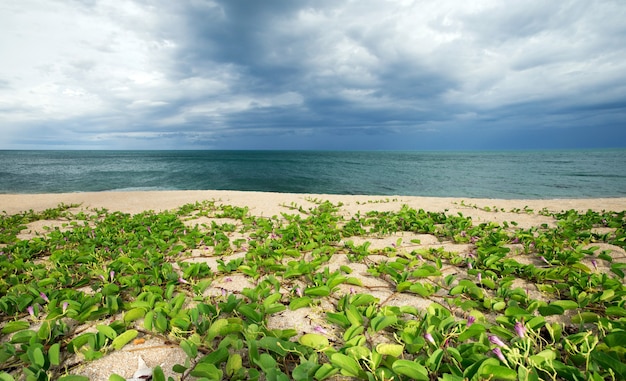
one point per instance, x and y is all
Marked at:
(325, 371)
(585, 317)
(317, 291)
(616, 339)
(550, 309)
(190, 349)
(314, 340)
(411, 369)
(498, 372)
(54, 354)
(134, 314)
(14, 326)
(233, 364)
(434, 361)
(296, 303)
(565, 304)
(616, 311)
(124, 339)
(107, 331)
(207, 370)
(383, 321)
(6, 377)
(157, 374)
(348, 365)
(608, 361)
(37, 357)
(116, 377)
(394, 350)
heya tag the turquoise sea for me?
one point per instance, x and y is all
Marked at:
(491, 174)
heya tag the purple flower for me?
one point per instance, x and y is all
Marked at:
(429, 338)
(469, 265)
(149, 230)
(299, 292)
(498, 353)
(44, 297)
(480, 278)
(419, 256)
(470, 320)
(65, 305)
(111, 275)
(463, 233)
(594, 263)
(520, 329)
(183, 281)
(352, 291)
(474, 239)
(496, 340)
(544, 259)
(31, 311)
(319, 329)
(515, 240)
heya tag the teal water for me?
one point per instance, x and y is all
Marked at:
(511, 174)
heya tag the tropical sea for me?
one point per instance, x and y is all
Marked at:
(489, 174)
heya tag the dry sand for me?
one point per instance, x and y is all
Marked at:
(154, 353)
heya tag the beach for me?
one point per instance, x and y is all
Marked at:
(268, 204)
(156, 351)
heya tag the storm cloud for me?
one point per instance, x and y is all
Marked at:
(281, 74)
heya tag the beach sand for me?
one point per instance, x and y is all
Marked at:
(155, 352)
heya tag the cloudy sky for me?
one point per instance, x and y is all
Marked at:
(312, 74)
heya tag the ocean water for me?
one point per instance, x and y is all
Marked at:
(510, 174)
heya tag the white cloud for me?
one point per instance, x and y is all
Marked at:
(191, 70)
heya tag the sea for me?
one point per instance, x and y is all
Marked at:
(541, 174)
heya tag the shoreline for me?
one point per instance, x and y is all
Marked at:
(269, 204)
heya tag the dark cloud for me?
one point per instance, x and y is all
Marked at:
(314, 74)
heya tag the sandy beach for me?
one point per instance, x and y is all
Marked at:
(157, 352)
(268, 204)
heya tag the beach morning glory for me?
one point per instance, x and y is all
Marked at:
(470, 320)
(429, 338)
(496, 340)
(520, 329)
(498, 353)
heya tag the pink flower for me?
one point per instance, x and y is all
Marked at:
(470, 320)
(429, 338)
(299, 292)
(65, 305)
(31, 311)
(496, 340)
(111, 275)
(469, 265)
(498, 353)
(480, 278)
(183, 281)
(544, 259)
(319, 329)
(520, 329)
(44, 297)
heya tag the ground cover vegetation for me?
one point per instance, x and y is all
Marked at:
(507, 303)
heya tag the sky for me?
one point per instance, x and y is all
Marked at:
(312, 74)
